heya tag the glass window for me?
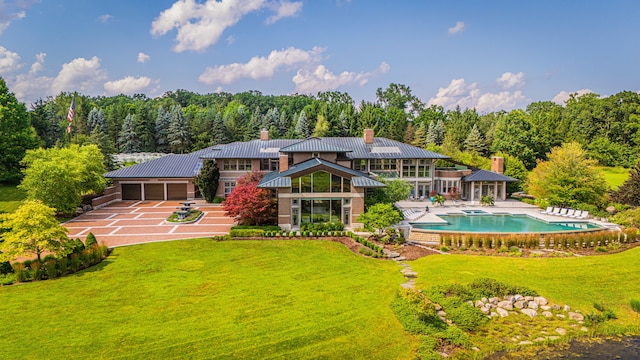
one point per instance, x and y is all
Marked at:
(295, 185)
(347, 216)
(264, 164)
(360, 164)
(336, 183)
(321, 181)
(305, 211)
(228, 187)
(336, 210)
(305, 183)
(346, 185)
(321, 211)
(244, 165)
(228, 164)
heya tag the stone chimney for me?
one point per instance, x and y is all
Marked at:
(284, 162)
(368, 136)
(497, 164)
(264, 135)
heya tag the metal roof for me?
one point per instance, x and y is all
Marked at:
(485, 175)
(170, 166)
(313, 144)
(254, 149)
(362, 181)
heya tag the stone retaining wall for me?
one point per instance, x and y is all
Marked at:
(108, 196)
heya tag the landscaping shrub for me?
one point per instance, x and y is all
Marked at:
(77, 246)
(20, 272)
(90, 240)
(464, 315)
(246, 232)
(604, 315)
(5, 268)
(635, 305)
(36, 270)
(455, 336)
(50, 269)
(486, 287)
(366, 251)
(85, 259)
(7, 279)
(63, 265)
(444, 249)
(74, 262)
(261, 227)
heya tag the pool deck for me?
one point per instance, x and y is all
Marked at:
(500, 207)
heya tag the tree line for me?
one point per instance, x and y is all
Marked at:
(182, 121)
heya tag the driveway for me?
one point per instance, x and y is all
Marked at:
(133, 222)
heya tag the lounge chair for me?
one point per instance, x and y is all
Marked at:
(548, 211)
(578, 213)
(569, 213)
(584, 215)
(556, 211)
(563, 212)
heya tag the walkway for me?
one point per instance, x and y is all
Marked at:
(133, 222)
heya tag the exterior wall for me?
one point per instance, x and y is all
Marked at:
(357, 206)
(284, 209)
(109, 195)
(117, 185)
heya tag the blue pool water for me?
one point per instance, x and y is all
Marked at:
(506, 223)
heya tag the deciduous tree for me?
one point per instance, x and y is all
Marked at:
(250, 204)
(379, 217)
(629, 192)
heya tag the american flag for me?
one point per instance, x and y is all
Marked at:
(70, 114)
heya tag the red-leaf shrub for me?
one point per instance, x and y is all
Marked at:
(251, 205)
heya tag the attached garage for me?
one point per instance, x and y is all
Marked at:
(154, 191)
(176, 191)
(131, 191)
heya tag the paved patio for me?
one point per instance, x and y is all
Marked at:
(133, 222)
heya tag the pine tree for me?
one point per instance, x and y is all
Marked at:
(322, 126)
(420, 136)
(96, 119)
(127, 138)
(302, 126)
(218, 134)
(178, 135)
(409, 133)
(439, 132)
(344, 128)
(161, 129)
(475, 142)
(431, 136)
(283, 124)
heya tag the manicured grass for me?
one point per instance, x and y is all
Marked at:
(206, 299)
(10, 198)
(615, 176)
(611, 280)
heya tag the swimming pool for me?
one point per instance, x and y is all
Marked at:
(503, 223)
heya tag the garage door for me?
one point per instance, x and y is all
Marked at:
(176, 191)
(131, 192)
(154, 191)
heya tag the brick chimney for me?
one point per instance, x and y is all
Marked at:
(264, 135)
(284, 162)
(368, 136)
(497, 164)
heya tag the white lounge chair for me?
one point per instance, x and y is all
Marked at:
(578, 213)
(569, 213)
(584, 215)
(563, 212)
(556, 211)
(548, 211)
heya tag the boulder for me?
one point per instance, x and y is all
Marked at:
(528, 298)
(556, 307)
(529, 312)
(442, 313)
(567, 308)
(561, 331)
(545, 307)
(561, 316)
(437, 307)
(493, 314)
(502, 312)
(493, 300)
(484, 300)
(485, 310)
(525, 342)
(518, 297)
(506, 304)
(547, 314)
(87, 207)
(576, 316)
(532, 305)
(611, 210)
(540, 300)
(479, 304)
(520, 304)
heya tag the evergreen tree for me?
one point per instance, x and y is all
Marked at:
(629, 192)
(46, 122)
(322, 126)
(343, 125)
(438, 132)
(207, 180)
(161, 129)
(302, 126)
(420, 136)
(178, 135)
(474, 142)
(127, 138)
(409, 133)
(96, 119)
(218, 134)
(283, 124)
(104, 143)
(431, 135)
(16, 134)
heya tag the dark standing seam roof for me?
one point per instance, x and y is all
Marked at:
(274, 179)
(250, 149)
(313, 145)
(485, 175)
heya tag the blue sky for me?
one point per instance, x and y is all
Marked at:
(491, 55)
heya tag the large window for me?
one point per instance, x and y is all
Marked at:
(320, 182)
(383, 165)
(229, 185)
(236, 164)
(269, 164)
(412, 168)
(360, 164)
(320, 210)
(447, 186)
(408, 168)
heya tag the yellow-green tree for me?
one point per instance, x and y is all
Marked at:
(567, 178)
(32, 230)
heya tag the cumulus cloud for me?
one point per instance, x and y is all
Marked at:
(128, 85)
(142, 57)
(459, 93)
(10, 12)
(9, 61)
(458, 28)
(259, 67)
(200, 25)
(79, 75)
(509, 80)
(39, 64)
(284, 9)
(105, 19)
(322, 79)
(563, 96)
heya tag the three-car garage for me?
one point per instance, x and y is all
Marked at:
(154, 191)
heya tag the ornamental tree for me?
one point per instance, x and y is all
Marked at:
(32, 229)
(249, 204)
(629, 192)
(568, 178)
(207, 180)
(379, 217)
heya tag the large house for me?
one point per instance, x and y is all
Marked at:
(314, 179)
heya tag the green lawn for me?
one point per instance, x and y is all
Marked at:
(206, 299)
(10, 198)
(611, 280)
(615, 176)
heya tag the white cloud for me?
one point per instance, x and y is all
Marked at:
(9, 61)
(8, 13)
(321, 79)
(142, 57)
(79, 75)
(128, 85)
(458, 28)
(259, 67)
(105, 19)
(509, 80)
(458, 93)
(563, 96)
(200, 25)
(231, 39)
(39, 64)
(284, 9)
